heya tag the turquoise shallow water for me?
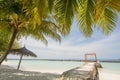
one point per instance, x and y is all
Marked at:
(56, 66)
(39, 65)
(110, 71)
(111, 67)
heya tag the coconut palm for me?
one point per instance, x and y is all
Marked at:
(4, 41)
(88, 13)
(9, 18)
(5, 35)
(99, 13)
(64, 12)
(25, 19)
(108, 16)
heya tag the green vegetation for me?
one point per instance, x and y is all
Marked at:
(88, 14)
(5, 35)
(25, 19)
(40, 18)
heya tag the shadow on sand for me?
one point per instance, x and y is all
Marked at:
(13, 74)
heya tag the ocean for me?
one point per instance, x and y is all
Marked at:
(111, 69)
(44, 65)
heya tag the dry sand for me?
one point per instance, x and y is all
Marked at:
(9, 73)
(108, 75)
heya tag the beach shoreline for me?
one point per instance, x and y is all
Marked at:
(74, 60)
(43, 74)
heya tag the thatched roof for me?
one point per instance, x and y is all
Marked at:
(22, 51)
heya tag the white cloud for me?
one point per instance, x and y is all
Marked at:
(103, 47)
(75, 45)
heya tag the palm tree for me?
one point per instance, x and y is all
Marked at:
(64, 12)
(5, 34)
(4, 41)
(106, 15)
(88, 13)
(10, 18)
(23, 19)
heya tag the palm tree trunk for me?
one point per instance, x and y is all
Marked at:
(9, 46)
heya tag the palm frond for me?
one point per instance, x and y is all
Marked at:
(51, 5)
(108, 20)
(115, 4)
(36, 11)
(50, 29)
(41, 37)
(85, 16)
(65, 10)
(33, 16)
(46, 29)
(36, 18)
(5, 35)
(43, 8)
(100, 6)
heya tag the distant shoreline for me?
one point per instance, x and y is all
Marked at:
(112, 60)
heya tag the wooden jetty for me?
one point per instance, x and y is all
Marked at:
(88, 71)
(96, 60)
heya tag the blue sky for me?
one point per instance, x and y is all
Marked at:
(75, 45)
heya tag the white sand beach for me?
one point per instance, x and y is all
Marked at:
(108, 75)
(10, 73)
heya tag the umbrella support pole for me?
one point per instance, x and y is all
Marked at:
(19, 62)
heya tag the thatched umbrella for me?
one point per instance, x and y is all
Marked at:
(23, 52)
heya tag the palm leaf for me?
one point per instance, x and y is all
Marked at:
(36, 11)
(85, 16)
(51, 5)
(5, 35)
(65, 10)
(108, 20)
(115, 4)
(46, 29)
(100, 6)
(50, 29)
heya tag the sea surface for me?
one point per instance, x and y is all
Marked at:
(110, 70)
(44, 65)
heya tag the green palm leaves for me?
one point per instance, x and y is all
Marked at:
(5, 36)
(85, 16)
(36, 11)
(32, 17)
(115, 4)
(88, 13)
(47, 28)
(105, 15)
(29, 18)
(99, 13)
(64, 13)
(107, 21)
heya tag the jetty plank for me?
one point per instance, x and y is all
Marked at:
(87, 71)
